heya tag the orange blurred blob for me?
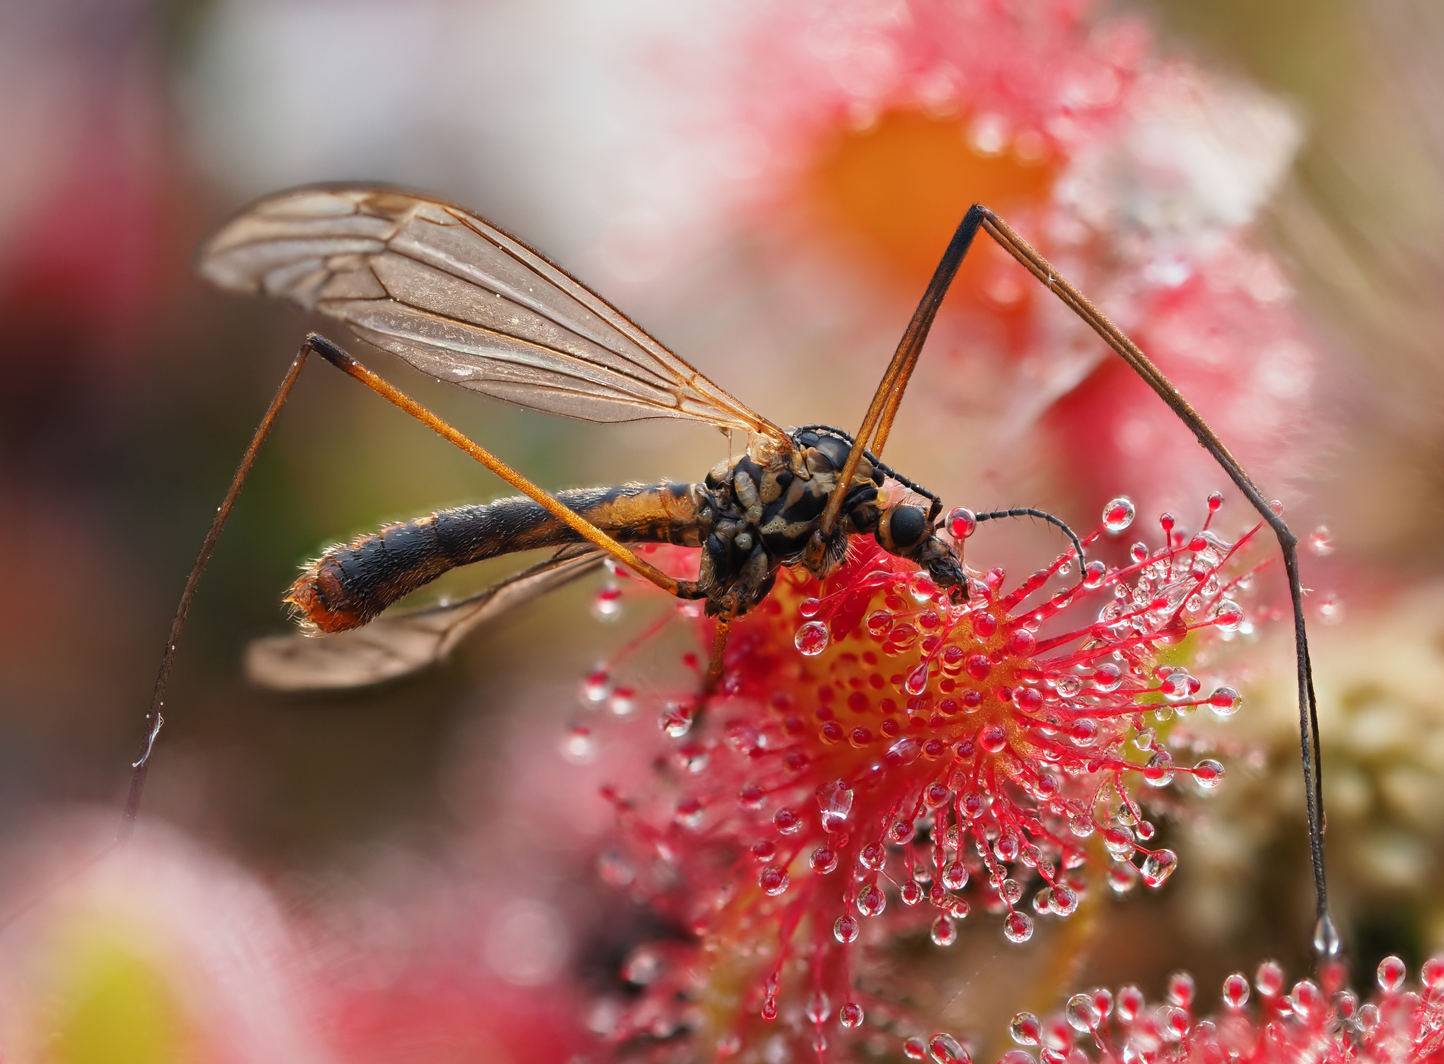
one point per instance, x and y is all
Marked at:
(902, 185)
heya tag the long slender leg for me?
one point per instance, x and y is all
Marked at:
(341, 360)
(1326, 938)
(883, 410)
(900, 368)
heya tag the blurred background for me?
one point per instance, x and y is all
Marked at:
(1252, 190)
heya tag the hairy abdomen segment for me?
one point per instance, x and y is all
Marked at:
(352, 583)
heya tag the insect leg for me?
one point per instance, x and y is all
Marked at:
(881, 411)
(1326, 935)
(348, 365)
(153, 719)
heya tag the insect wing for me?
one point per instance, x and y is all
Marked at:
(463, 301)
(399, 643)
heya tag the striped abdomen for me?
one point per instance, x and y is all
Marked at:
(350, 584)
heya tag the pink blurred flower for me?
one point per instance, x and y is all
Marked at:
(874, 746)
(857, 132)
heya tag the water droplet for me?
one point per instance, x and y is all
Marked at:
(1118, 514)
(1431, 974)
(1010, 890)
(1269, 979)
(834, 803)
(819, 1008)
(845, 930)
(917, 680)
(945, 1049)
(751, 796)
(1178, 685)
(1180, 989)
(1392, 971)
(1082, 1014)
(910, 893)
(1018, 927)
(1093, 574)
(623, 702)
(773, 880)
(962, 523)
(1081, 825)
(1138, 552)
(1130, 1003)
(1158, 772)
(955, 875)
(607, 603)
(878, 622)
(992, 738)
(873, 856)
(1321, 542)
(915, 1049)
(850, 1015)
(1065, 900)
(1157, 867)
(1225, 701)
(1107, 678)
(1227, 616)
(823, 860)
(871, 901)
(676, 719)
(1025, 1029)
(1326, 937)
(943, 932)
(1306, 999)
(579, 745)
(812, 638)
(1208, 774)
(1329, 608)
(597, 686)
(786, 821)
(1235, 990)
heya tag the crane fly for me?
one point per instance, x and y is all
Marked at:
(461, 300)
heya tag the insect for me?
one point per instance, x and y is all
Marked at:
(461, 300)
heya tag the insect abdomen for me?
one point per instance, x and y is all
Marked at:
(352, 583)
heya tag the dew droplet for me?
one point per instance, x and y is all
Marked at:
(1082, 1014)
(834, 803)
(597, 686)
(915, 1048)
(1392, 971)
(1208, 773)
(676, 719)
(871, 901)
(945, 1049)
(1065, 900)
(623, 702)
(1018, 927)
(1431, 974)
(1224, 701)
(962, 523)
(812, 638)
(850, 1015)
(1321, 541)
(878, 622)
(607, 603)
(1235, 990)
(917, 680)
(1227, 616)
(1158, 772)
(773, 880)
(823, 860)
(1157, 867)
(1269, 979)
(579, 745)
(955, 875)
(1138, 552)
(943, 932)
(1025, 1029)
(845, 930)
(786, 821)
(1329, 608)
(1107, 678)
(992, 738)
(1093, 574)
(1130, 1003)
(1118, 514)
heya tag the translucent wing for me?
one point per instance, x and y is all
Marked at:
(399, 643)
(459, 299)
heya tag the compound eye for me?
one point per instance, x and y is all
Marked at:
(906, 526)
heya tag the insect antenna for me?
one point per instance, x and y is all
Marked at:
(1056, 522)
